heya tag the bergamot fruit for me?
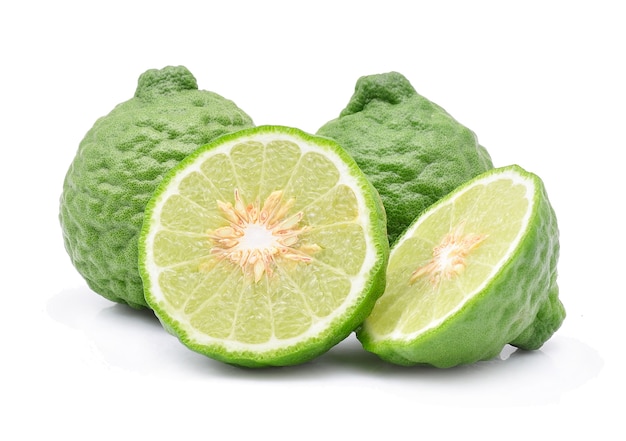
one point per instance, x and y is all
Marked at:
(476, 271)
(266, 247)
(411, 149)
(118, 165)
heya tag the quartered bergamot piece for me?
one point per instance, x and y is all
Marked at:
(265, 247)
(475, 272)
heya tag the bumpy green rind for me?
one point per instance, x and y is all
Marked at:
(335, 332)
(411, 149)
(118, 165)
(519, 306)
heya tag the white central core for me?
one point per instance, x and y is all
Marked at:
(257, 237)
(447, 255)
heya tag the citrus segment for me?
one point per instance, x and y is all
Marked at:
(266, 247)
(476, 271)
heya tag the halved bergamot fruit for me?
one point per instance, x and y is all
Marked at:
(475, 272)
(265, 247)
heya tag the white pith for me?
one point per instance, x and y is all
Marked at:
(358, 282)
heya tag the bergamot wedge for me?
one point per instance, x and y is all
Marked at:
(410, 148)
(118, 165)
(265, 247)
(476, 271)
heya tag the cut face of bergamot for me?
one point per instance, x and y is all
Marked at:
(473, 273)
(265, 247)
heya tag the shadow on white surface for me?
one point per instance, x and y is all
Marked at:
(134, 340)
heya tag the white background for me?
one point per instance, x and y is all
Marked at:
(540, 82)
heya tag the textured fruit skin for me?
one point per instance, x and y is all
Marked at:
(411, 149)
(119, 163)
(519, 306)
(339, 329)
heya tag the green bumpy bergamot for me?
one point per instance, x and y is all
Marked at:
(411, 149)
(118, 165)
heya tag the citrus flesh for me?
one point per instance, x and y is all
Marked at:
(266, 247)
(411, 149)
(476, 271)
(118, 165)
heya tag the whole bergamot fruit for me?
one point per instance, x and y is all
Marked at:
(118, 165)
(410, 148)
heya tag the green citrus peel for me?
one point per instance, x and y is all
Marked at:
(118, 165)
(411, 149)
